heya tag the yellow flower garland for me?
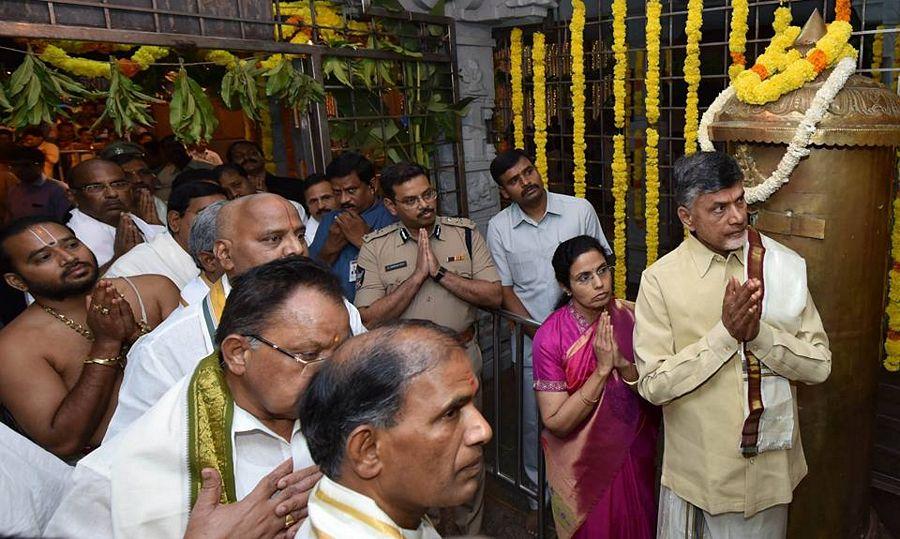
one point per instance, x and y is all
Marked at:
(692, 75)
(777, 72)
(222, 58)
(651, 103)
(85, 67)
(540, 106)
(576, 28)
(892, 342)
(518, 98)
(737, 39)
(619, 165)
(877, 52)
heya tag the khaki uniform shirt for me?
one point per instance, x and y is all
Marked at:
(388, 258)
(689, 364)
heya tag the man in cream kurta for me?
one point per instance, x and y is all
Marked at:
(159, 359)
(691, 364)
(236, 413)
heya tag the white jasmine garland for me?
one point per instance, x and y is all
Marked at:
(799, 146)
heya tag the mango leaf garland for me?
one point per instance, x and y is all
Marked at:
(297, 89)
(4, 101)
(190, 112)
(37, 93)
(126, 105)
(239, 87)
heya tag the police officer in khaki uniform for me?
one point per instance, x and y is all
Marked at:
(427, 267)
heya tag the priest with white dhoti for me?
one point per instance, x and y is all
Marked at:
(251, 231)
(235, 413)
(103, 196)
(167, 254)
(725, 330)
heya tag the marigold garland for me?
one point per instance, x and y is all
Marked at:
(692, 75)
(85, 67)
(540, 105)
(518, 98)
(737, 39)
(892, 342)
(576, 29)
(877, 52)
(779, 71)
(619, 164)
(651, 104)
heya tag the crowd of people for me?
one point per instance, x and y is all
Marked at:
(194, 359)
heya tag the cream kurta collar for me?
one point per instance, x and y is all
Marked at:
(703, 256)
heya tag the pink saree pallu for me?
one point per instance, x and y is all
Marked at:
(602, 474)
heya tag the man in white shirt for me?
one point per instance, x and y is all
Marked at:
(104, 219)
(167, 254)
(251, 231)
(522, 239)
(234, 415)
(201, 243)
(391, 421)
(319, 199)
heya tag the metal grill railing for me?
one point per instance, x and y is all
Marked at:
(507, 343)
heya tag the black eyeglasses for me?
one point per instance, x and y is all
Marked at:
(303, 358)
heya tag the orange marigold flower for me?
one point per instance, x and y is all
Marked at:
(818, 59)
(842, 10)
(760, 70)
(738, 58)
(128, 67)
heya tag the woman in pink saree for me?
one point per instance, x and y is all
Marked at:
(600, 437)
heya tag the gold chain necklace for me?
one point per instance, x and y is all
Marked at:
(75, 326)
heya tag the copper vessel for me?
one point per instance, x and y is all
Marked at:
(836, 212)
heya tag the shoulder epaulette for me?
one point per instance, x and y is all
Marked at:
(458, 221)
(383, 231)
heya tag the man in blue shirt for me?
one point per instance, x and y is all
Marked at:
(340, 233)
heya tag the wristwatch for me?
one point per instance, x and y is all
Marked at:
(440, 274)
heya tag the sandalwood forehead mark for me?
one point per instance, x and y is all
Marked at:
(43, 235)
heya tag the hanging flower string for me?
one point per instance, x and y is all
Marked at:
(619, 165)
(142, 59)
(576, 28)
(651, 104)
(877, 52)
(540, 105)
(692, 74)
(518, 98)
(737, 39)
(892, 342)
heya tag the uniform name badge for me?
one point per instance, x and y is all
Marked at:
(351, 278)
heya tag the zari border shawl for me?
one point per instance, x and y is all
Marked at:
(210, 412)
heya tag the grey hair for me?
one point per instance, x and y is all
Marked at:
(704, 172)
(203, 231)
(365, 383)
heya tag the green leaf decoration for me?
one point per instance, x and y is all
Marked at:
(340, 68)
(37, 94)
(240, 88)
(191, 113)
(297, 89)
(126, 105)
